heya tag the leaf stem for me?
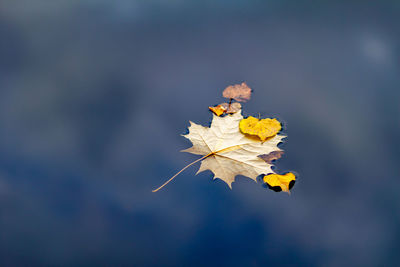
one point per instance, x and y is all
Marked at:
(184, 168)
(230, 102)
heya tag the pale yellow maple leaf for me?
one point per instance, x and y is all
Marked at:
(227, 152)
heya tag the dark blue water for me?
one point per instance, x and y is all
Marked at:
(94, 96)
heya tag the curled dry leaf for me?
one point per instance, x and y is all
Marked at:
(239, 92)
(274, 155)
(279, 182)
(264, 128)
(218, 110)
(226, 108)
(232, 108)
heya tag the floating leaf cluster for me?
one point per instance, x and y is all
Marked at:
(234, 145)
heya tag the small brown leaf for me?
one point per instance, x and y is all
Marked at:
(274, 155)
(239, 92)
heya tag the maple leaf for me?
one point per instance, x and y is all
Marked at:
(226, 151)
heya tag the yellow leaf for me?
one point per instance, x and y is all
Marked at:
(218, 110)
(278, 182)
(264, 128)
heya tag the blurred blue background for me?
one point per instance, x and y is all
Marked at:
(95, 94)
